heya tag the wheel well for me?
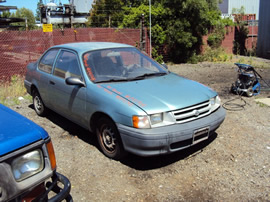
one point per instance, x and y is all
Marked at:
(33, 87)
(94, 119)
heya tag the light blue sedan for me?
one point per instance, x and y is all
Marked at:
(132, 103)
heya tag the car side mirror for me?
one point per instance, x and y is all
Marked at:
(74, 81)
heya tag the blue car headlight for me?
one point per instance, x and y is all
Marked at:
(156, 118)
(153, 120)
(27, 165)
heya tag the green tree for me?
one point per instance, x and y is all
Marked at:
(106, 13)
(26, 14)
(5, 14)
(37, 17)
(187, 22)
(218, 30)
(241, 31)
(180, 24)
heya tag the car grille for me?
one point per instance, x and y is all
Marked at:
(193, 112)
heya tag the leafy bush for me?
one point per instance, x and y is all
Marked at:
(156, 56)
(215, 39)
(215, 55)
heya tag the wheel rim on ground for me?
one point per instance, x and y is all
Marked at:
(38, 104)
(108, 138)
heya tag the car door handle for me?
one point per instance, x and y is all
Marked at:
(51, 82)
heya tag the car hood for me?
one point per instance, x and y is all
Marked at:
(164, 93)
(16, 131)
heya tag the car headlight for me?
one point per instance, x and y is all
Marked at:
(153, 120)
(156, 118)
(141, 122)
(215, 103)
(27, 165)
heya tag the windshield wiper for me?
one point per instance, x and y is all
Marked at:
(149, 75)
(112, 80)
(132, 79)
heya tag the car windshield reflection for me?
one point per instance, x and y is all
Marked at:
(120, 64)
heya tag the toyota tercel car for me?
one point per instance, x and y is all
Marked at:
(27, 162)
(132, 103)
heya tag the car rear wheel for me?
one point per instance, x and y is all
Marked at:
(39, 106)
(109, 139)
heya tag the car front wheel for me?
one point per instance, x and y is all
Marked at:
(38, 104)
(109, 139)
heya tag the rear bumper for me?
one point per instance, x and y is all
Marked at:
(168, 139)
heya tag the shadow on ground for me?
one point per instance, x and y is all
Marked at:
(72, 128)
(133, 161)
(149, 163)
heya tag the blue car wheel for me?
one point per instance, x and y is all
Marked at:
(39, 106)
(109, 139)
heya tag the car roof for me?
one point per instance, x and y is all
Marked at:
(82, 47)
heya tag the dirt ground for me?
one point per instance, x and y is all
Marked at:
(234, 165)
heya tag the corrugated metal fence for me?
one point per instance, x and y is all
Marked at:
(18, 48)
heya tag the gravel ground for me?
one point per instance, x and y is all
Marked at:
(234, 165)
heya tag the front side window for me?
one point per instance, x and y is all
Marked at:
(47, 60)
(120, 64)
(67, 65)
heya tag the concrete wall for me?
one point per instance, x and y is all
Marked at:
(263, 44)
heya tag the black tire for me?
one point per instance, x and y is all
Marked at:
(109, 139)
(39, 106)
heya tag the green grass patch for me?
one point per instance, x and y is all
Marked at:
(219, 55)
(12, 90)
(261, 104)
(212, 55)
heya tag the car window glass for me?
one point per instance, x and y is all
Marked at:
(67, 65)
(119, 64)
(132, 58)
(47, 60)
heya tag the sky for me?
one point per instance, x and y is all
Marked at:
(30, 4)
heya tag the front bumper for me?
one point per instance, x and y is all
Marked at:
(61, 193)
(52, 186)
(168, 139)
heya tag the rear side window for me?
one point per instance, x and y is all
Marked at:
(67, 65)
(47, 60)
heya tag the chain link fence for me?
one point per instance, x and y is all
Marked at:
(18, 48)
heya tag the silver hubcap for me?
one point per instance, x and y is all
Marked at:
(38, 104)
(108, 139)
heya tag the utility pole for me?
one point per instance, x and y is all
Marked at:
(142, 36)
(26, 24)
(150, 45)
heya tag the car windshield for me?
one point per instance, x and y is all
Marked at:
(120, 64)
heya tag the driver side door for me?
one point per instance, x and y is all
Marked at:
(68, 100)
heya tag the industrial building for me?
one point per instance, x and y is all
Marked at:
(76, 12)
(263, 43)
(6, 22)
(251, 7)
